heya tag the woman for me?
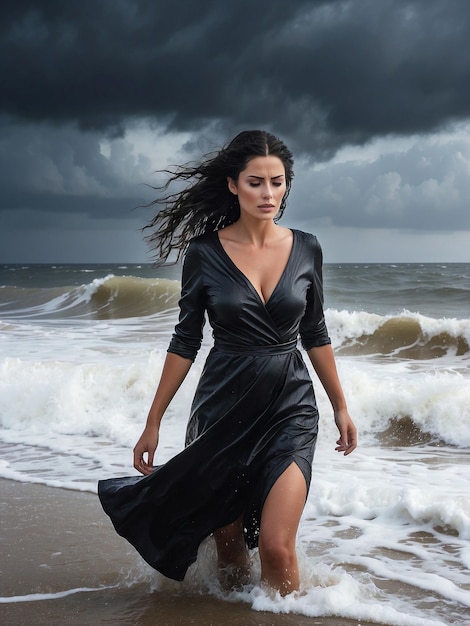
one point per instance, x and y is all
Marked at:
(245, 472)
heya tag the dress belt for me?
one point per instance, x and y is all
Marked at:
(270, 349)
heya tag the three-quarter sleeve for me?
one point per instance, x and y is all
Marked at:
(313, 330)
(187, 337)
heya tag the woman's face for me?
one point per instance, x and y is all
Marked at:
(260, 187)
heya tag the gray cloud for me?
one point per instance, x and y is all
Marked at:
(322, 73)
(63, 169)
(424, 188)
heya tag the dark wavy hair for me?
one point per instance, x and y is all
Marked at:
(206, 204)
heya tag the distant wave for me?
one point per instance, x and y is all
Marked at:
(111, 297)
(408, 336)
(129, 296)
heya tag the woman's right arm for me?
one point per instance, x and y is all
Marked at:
(184, 346)
(174, 372)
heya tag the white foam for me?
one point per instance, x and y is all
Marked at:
(327, 590)
(74, 396)
(92, 288)
(35, 597)
(438, 402)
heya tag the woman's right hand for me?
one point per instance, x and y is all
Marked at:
(174, 372)
(147, 444)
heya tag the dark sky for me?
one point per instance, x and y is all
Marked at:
(373, 97)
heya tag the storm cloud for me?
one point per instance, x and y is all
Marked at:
(426, 187)
(79, 77)
(322, 72)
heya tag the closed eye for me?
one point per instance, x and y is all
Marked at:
(275, 183)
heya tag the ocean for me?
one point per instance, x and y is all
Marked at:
(384, 538)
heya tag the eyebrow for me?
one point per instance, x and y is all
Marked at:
(262, 177)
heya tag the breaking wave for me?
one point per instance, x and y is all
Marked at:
(407, 336)
(111, 297)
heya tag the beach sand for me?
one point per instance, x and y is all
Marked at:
(56, 540)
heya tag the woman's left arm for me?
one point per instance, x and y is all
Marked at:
(323, 362)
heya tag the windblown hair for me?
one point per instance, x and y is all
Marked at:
(206, 204)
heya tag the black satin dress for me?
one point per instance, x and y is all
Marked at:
(253, 413)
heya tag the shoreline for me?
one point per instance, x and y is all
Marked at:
(60, 545)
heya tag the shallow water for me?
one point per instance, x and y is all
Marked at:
(385, 533)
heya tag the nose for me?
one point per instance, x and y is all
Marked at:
(267, 191)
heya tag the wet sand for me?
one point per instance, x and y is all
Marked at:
(55, 540)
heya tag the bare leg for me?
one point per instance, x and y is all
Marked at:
(279, 523)
(233, 560)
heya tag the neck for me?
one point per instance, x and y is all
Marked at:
(256, 232)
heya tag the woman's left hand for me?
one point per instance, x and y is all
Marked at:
(347, 441)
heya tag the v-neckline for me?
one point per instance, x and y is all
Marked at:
(247, 280)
